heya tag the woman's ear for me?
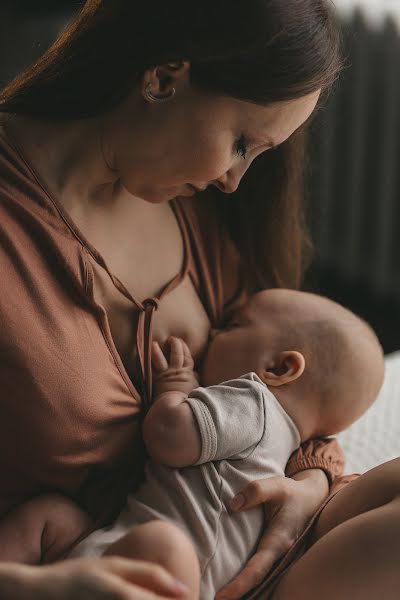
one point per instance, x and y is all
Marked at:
(161, 80)
(284, 368)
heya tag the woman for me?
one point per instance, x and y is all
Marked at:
(137, 107)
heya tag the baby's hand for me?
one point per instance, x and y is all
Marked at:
(176, 373)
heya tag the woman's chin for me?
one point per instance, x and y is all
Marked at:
(158, 196)
(150, 196)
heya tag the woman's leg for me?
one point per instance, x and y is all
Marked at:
(165, 544)
(355, 552)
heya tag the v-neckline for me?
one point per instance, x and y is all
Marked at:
(97, 256)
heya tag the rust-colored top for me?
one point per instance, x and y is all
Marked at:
(70, 415)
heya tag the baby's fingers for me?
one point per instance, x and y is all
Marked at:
(177, 356)
(187, 356)
(158, 359)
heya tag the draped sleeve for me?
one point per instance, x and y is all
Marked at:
(319, 453)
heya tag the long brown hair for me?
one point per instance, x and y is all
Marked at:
(260, 51)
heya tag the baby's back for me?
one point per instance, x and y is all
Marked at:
(245, 436)
(196, 499)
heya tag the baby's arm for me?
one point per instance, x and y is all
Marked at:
(170, 430)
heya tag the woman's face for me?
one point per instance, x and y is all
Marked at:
(161, 150)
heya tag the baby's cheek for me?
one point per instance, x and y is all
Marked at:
(204, 369)
(212, 364)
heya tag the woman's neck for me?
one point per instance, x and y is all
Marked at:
(68, 158)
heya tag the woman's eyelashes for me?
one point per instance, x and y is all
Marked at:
(241, 147)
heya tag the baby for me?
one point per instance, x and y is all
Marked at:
(294, 366)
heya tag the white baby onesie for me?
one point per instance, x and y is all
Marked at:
(246, 435)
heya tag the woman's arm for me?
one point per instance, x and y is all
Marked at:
(290, 502)
(289, 505)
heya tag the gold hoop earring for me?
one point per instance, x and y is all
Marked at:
(175, 65)
(152, 98)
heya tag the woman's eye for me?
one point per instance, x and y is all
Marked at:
(241, 147)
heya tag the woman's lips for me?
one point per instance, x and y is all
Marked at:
(191, 190)
(196, 189)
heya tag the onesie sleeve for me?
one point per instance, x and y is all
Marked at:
(230, 417)
(320, 453)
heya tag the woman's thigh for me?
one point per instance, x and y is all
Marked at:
(371, 490)
(355, 544)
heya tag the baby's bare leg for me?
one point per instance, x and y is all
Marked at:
(41, 530)
(357, 544)
(166, 545)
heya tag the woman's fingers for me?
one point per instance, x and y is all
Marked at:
(114, 588)
(158, 359)
(110, 578)
(252, 574)
(146, 575)
(259, 491)
(277, 495)
(274, 544)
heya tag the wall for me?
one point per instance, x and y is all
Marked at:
(376, 10)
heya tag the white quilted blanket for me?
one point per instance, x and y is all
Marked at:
(375, 438)
(375, 10)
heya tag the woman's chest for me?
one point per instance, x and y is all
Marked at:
(180, 312)
(146, 257)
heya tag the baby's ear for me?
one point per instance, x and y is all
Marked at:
(284, 368)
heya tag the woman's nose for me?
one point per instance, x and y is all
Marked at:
(229, 182)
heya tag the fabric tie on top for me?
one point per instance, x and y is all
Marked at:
(144, 331)
(144, 338)
(147, 308)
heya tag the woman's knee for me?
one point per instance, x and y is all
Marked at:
(382, 483)
(376, 488)
(390, 475)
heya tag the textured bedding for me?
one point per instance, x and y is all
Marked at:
(375, 438)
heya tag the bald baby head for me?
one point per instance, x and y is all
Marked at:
(344, 364)
(323, 363)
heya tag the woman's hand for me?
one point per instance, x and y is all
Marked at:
(111, 578)
(289, 504)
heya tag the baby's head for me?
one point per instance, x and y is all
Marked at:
(323, 363)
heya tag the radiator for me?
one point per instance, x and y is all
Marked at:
(354, 187)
